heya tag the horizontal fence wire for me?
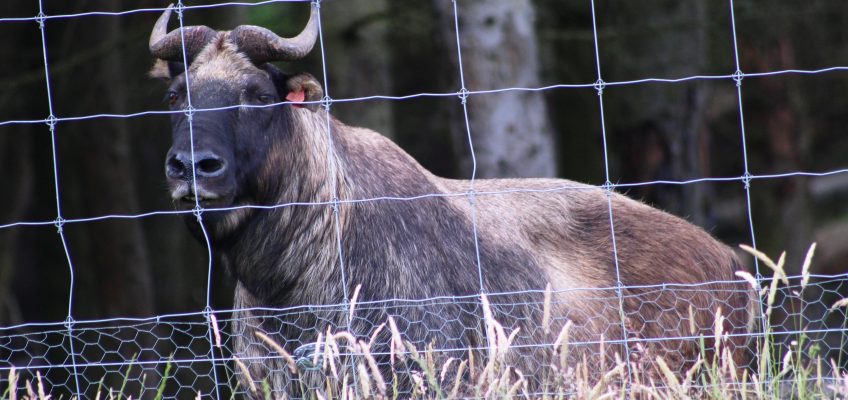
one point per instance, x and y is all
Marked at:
(593, 85)
(515, 190)
(184, 354)
(112, 348)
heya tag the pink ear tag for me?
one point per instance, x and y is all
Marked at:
(296, 97)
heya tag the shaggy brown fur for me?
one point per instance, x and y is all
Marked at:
(551, 231)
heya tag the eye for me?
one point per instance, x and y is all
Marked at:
(265, 98)
(172, 97)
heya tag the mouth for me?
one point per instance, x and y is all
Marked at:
(194, 199)
(190, 201)
(185, 197)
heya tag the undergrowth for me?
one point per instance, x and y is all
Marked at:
(781, 371)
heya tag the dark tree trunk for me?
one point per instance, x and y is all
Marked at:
(118, 248)
(358, 62)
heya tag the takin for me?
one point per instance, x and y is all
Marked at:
(285, 191)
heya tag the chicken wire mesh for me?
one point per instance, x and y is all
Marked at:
(181, 356)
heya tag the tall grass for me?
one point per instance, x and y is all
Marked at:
(343, 366)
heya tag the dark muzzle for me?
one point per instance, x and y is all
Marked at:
(206, 165)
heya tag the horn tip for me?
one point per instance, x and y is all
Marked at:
(160, 29)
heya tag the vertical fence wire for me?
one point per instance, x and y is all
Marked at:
(59, 222)
(608, 188)
(471, 194)
(332, 165)
(336, 203)
(738, 75)
(332, 170)
(198, 208)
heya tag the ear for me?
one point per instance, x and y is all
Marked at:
(160, 70)
(297, 88)
(166, 70)
(304, 87)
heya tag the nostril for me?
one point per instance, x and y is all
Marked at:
(175, 168)
(210, 166)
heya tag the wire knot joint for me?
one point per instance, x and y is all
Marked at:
(738, 75)
(608, 187)
(198, 213)
(599, 86)
(463, 95)
(59, 222)
(746, 180)
(40, 18)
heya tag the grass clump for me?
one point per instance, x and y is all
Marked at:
(342, 366)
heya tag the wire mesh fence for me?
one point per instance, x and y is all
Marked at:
(346, 346)
(173, 355)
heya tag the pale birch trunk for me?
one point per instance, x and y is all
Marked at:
(510, 130)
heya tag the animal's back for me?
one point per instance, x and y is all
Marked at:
(675, 278)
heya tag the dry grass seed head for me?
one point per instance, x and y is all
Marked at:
(481, 380)
(729, 365)
(690, 373)
(491, 387)
(372, 365)
(41, 394)
(353, 301)
(445, 368)
(246, 373)
(605, 380)
(839, 303)
(692, 329)
(375, 333)
(561, 344)
(215, 331)
(745, 275)
(457, 379)
(347, 336)
(787, 364)
(805, 268)
(280, 350)
(719, 331)
(546, 309)
(30, 391)
(320, 350)
(13, 384)
(520, 384)
(759, 255)
(364, 380)
(331, 353)
(396, 346)
(670, 377)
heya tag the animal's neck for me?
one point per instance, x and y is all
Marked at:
(285, 250)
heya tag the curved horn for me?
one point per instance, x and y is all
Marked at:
(168, 46)
(262, 45)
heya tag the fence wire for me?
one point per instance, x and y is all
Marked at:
(142, 355)
(181, 355)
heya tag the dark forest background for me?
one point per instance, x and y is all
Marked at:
(656, 131)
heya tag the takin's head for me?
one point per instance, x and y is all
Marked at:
(229, 72)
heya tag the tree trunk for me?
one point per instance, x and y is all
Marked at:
(510, 130)
(358, 62)
(121, 258)
(14, 156)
